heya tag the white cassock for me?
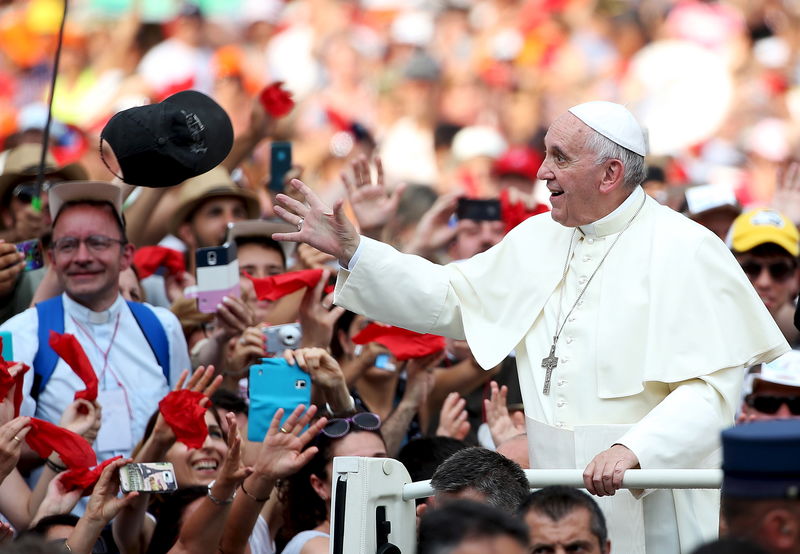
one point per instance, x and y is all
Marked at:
(652, 356)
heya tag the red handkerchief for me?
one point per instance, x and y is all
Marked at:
(278, 286)
(276, 101)
(84, 478)
(514, 214)
(402, 343)
(45, 437)
(187, 418)
(7, 381)
(68, 347)
(148, 259)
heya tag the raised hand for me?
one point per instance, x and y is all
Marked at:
(372, 205)
(84, 418)
(501, 426)
(318, 317)
(453, 418)
(434, 230)
(104, 504)
(284, 450)
(321, 366)
(11, 265)
(787, 192)
(233, 471)
(12, 435)
(7, 403)
(318, 225)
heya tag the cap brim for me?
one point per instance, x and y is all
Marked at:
(258, 228)
(96, 191)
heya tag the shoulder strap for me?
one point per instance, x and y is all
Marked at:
(51, 318)
(154, 332)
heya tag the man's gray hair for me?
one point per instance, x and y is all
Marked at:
(635, 169)
(501, 481)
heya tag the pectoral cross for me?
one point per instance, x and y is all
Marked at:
(549, 364)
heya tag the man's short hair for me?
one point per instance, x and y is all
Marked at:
(442, 529)
(606, 149)
(500, 480)
(558, 501)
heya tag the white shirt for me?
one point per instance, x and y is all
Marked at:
(132, 367)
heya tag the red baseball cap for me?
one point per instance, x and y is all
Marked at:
(518, 160)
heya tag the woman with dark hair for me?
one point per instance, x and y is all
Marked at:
(308, 492)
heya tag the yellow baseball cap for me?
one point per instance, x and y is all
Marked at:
(762, 226)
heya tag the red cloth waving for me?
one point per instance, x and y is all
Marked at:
(84, 478)
(278, 286)
(68, 347)
(276, 101)
(148, 259)
(516, 213)
(45, 437)
(402, 343)
(7, 381)
(187, 418)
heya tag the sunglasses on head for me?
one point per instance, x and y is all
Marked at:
(340, 426)
(767, 404)
(779, 271)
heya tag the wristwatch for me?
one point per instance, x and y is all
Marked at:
(216, 500)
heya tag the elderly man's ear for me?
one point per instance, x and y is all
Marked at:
(613, 176)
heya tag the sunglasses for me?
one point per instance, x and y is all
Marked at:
(27, 191)
(779, 271)
(340, 426)
(767, 404)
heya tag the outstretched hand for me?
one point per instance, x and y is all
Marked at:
(318, 225)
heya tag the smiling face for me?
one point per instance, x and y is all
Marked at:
(90, 277)
(573, 177)
(198, 467)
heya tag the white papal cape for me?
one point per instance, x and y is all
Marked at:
(651, 357)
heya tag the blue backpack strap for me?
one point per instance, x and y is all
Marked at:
(154, 332)
(51, 318)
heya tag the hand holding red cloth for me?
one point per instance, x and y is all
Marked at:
(84, 478)
(45, 437)
(402, 343)
(71, 351)
(277, 286)
(148, 259)
(7, 381)
(185, 416)
(276, 101)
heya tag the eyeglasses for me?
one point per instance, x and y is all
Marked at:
(340, 426)
(779, 271)
(96, 244)
(27, 191)
(767, 404)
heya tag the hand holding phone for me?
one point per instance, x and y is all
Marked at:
(274, 383)
(217, 275)
(148, 477)
(279, 165)
(34, 255)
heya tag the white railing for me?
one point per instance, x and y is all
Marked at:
(634, 479)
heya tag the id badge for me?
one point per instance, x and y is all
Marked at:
(115, 428)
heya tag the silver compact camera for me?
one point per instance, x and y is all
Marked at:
(281, 337)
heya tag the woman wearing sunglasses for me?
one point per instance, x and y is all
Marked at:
(308, 492)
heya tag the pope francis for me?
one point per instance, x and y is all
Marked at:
(631, 324)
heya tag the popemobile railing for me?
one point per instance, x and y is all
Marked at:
(373, 508)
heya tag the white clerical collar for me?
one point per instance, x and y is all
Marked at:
(84, 314)
(616, 220)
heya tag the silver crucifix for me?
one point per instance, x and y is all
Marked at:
(549, 364)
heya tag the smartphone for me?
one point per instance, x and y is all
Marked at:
(384, 362)
(281, 337)
(148, 477)
(280, 163)
(34, 256)
(274, 383)
(478, 210)
(217, 275)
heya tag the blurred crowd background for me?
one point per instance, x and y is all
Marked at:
(448, 84)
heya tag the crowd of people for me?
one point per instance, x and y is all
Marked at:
(457, 133)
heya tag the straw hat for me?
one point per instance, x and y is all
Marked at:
(22, 164)
(214, 183)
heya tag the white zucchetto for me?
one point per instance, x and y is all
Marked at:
(614, 122)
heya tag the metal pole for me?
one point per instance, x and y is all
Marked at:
(634, 479)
